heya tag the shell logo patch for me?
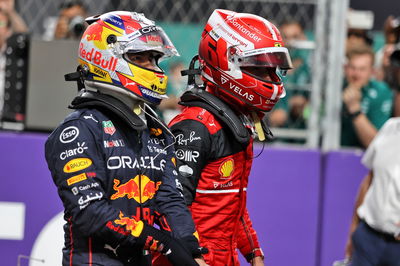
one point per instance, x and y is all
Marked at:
(226, 168)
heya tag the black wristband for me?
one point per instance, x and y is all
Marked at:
(192, 244)
(354, 115)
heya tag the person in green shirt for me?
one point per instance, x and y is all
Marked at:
(367, 103)
(291, 111)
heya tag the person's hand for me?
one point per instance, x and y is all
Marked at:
(277, 117)
(352, 98)
(61, 30)
(7, 6)
(349, 249)
(297, 104)
(201, 262)
(257, 261)
(153, 239)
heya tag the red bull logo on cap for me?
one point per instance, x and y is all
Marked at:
(140, 188)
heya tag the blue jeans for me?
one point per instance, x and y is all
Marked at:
(372, 248)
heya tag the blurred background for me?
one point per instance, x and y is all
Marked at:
(303, 185)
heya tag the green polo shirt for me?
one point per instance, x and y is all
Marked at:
(376, 104)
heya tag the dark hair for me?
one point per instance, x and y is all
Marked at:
(364, 34)
(71, 3)
(291, 22)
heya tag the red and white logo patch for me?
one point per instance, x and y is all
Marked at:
(108, 127)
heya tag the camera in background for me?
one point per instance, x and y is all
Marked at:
(395, 30)
(77, 26)
(71, 20)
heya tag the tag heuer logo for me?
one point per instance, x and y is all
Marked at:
(108, 127)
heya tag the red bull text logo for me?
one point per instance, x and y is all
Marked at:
(154, 39)
(96, 58)
(140, 188)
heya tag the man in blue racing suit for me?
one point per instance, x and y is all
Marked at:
(112, 159)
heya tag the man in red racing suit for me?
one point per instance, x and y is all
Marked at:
(215, 170)
(214, 133)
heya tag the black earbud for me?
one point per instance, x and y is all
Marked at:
(111, 39)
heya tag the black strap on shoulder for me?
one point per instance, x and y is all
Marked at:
(87, 99)
(201, 98)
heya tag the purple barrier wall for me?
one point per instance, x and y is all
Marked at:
(283, 205)
(284, 200)
(342, 173)
(25, 178)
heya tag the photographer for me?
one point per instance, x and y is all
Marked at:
(388, 60)
(70, 23)
(393, 71)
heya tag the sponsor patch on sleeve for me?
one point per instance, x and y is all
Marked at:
(77, 164)
(76, 179)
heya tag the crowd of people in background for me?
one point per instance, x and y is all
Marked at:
(10, 23)
(370, 85)
(292, 110)
(367, 96)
